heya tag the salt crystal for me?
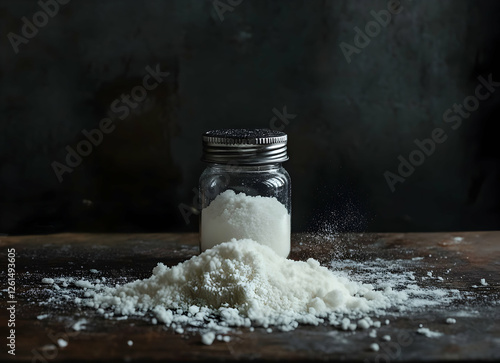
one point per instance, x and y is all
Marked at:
(429, 333)
(208, 338)
(79, 325)
(363, 324)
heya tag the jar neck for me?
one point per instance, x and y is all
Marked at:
(245, 168)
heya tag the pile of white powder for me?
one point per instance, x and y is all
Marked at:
(240, 283)
(237, 215)
(244, 283)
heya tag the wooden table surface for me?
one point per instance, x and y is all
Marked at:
(126, 257)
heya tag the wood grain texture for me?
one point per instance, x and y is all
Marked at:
(124, 257)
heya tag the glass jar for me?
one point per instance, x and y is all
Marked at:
(245, 192)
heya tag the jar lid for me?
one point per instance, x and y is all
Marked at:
(244, 146)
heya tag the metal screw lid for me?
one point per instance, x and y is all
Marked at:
(244, 146)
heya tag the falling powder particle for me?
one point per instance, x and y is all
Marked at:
(62, 343)
(130, 343)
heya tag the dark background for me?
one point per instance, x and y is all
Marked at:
(352, 120)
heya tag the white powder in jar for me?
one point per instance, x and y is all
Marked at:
(262, 219)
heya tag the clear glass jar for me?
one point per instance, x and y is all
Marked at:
(245, 192)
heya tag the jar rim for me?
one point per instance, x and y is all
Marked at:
(244, 146)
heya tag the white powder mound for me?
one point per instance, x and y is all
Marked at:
(241, 283)
(244, 283)
(231, 215)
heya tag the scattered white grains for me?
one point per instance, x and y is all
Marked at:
(429, 333)
(375, 347)
(130, 343)
(373, 334)
(387, 338)
(47, 281)
(79, 325)
(483, 282)
(451, 321)
(94, 271)
(43, 316)
(62, 343)
(46, 347)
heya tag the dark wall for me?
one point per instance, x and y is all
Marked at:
(349, 118)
